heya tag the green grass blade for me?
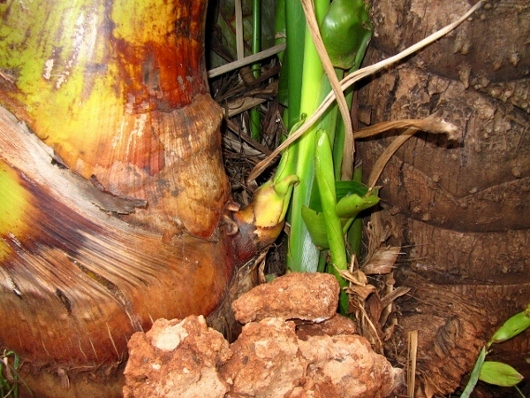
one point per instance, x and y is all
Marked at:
(473, 379)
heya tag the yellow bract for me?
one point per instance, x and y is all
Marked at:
(14, 200)
(64, 73)
(139, 21)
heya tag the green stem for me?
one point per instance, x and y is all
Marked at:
(255, 122)
(475, 373)
(356, 230)
(326, 185)
(519, 391)
(295, 32)
(303, 254)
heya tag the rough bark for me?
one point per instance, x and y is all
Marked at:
(460, 208)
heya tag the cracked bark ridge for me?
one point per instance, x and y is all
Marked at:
(272, 357)
(456, 207)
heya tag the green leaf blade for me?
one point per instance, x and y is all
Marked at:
(350, 206)
(515, 325)
(500, 374)
(473, 379)
(316, 226)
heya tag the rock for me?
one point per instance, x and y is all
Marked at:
(335, 325)
(345, 366)
(266, 360)
(176, 359)
(271, 361)
(272, 357)
(307, 296)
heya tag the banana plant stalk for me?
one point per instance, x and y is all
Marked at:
(115, 208)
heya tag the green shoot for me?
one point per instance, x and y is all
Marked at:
(326, 186)
(10, 379)
(312, 158)
(303, 254)
(499, 373)
(475, 374)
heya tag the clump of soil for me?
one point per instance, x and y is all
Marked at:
(292, 345)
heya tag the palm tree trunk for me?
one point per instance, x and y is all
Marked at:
(458, 209)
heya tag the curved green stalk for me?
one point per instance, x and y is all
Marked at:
(355, 232)
(326, 186)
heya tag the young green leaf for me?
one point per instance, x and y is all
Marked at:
(512, 327)
(351, 205)
(342, 189)
(499, 374)
(326, 186)
(346, 31)
(316, 226)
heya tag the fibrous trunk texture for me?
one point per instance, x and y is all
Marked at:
(462, 210)
(112, 184)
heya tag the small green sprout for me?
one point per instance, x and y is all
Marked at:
(499, 373)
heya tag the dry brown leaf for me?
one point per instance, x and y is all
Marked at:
(361, 292)
(382, 261)
(432, 124)
(396, 293)
(356, 277)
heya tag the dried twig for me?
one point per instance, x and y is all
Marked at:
(246, 61)
(411, 363)
(432, 124)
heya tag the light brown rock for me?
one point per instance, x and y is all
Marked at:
(335, 325)
(176, 358)
(346, 366)
(306, 296)
(266, 360)
(272, 357)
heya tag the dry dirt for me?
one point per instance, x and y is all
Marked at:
(292, 345)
